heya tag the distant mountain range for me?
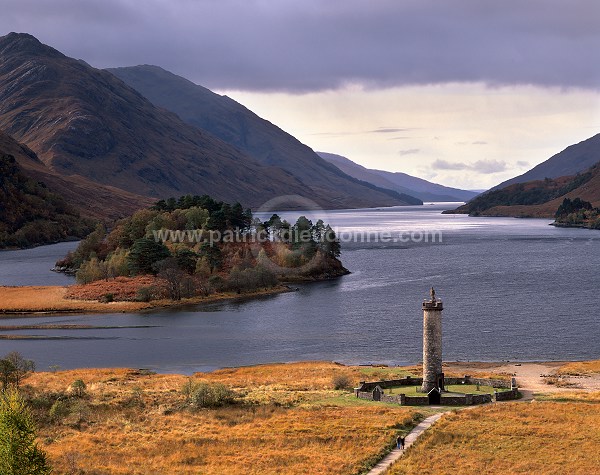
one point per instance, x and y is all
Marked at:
(572, 160)
(260, 139)
(89, 128)
(400, 182)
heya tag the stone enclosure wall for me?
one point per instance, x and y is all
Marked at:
(374, 391)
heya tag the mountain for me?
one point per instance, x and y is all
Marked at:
(400, 182)
(538, 198)
(572, 160)
(86, 124)
(260, 139)
(91, 199)
(30, 212)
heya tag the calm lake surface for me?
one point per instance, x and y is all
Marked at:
(513, 289)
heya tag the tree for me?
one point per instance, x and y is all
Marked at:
(330, 244)
(78, 387)
(186, 259)
(14, 368)
(212, 254)
(169, 271)
(145, 253)
(19, 453)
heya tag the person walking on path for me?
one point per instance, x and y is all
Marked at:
(400, 442)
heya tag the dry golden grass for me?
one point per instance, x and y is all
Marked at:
(529, 438)
(52, 299)
(578, 368)
(290, 421)
(572, 396)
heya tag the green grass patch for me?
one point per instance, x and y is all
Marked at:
(452, 390)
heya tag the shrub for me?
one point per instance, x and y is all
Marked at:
(78, 388)
(145, 294)
(341, 381)
(216, 283)
(91, 271)
(207, 395)
(59, 410)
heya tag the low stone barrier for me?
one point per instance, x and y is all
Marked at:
(374, 391)
(507, 395)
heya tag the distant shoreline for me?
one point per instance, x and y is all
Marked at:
(44, 300)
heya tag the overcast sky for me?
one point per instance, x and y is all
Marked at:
(464, 92)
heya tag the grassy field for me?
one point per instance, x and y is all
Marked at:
(56, 299)
(578, 368)
(288, 419)
(52, 299)
(540, 438)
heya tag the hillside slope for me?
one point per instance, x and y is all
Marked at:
(399, 181)
(538, 198)
(572, 160)
(30, 213)
(91, 199)
(238, 126)
(86, 122)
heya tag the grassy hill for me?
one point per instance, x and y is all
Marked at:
(573, 160)
(537, 199)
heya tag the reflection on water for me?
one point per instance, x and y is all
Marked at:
(513, 289)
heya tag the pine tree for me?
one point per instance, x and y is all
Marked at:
(19, 453)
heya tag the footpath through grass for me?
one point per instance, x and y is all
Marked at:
(520, 438)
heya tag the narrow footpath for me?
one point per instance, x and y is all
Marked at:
(412, 436)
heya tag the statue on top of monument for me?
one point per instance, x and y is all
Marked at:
(432, 292)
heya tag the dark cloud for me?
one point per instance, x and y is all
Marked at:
(312, 45)
(410, 151)
(523, 164)
(480, 166)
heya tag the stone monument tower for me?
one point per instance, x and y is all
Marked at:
(433, 377)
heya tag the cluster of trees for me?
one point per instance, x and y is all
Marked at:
(30, 214)
(577, 212)
(200, 266)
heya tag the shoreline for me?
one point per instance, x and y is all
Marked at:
(50, 300)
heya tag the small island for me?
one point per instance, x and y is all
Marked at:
(188, 250)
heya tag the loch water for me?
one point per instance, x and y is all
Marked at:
(513, 289)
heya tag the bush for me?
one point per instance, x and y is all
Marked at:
(59, 410)
(216, 283)
(78, 388)
(208, 395)
(145, 294)
(341, 381)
